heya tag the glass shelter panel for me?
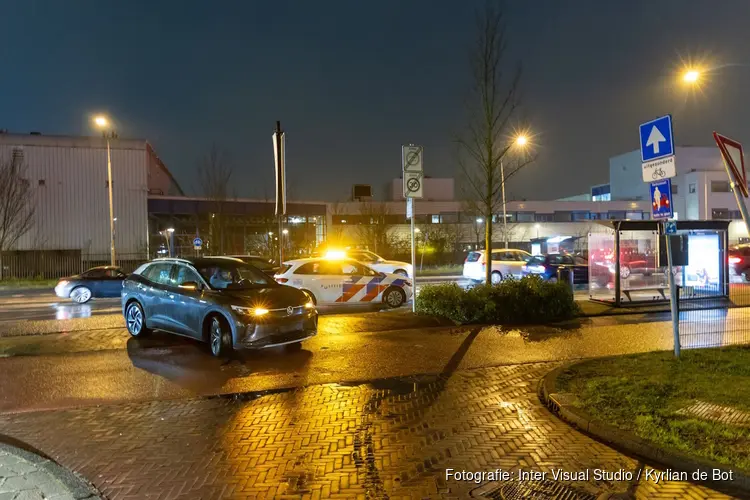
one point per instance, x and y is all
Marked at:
(600, 256)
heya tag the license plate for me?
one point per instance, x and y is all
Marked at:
(288, 328)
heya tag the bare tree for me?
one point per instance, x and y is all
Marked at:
(374, 230)
(494, 104)
(214, 177)
(17, 204)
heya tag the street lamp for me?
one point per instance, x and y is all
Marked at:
(102, 123)
(285, 231)
(521, 141)
(691, 76)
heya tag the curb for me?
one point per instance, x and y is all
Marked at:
(561, 406)
(75, 485)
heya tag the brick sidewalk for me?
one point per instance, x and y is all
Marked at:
(384, 440)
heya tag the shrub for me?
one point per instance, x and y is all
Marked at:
(529, 300)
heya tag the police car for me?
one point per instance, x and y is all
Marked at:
(373, 260)
(339, 281)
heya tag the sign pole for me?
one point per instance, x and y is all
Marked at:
(413, 259)
(672, 296)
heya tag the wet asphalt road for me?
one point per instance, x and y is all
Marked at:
(111, 367)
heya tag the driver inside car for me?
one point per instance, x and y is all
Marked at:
(221, 279)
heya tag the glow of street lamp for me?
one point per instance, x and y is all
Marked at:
(101, 121)
(479, 220)
(170, 230)
(285, 231)
(521, 140)
(691, 76)
(416, 230)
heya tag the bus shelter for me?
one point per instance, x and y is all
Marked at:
(628, 262)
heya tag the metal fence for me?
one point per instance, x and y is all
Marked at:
(713, 304)
(44, 264)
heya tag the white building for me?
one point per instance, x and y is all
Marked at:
(68, 178)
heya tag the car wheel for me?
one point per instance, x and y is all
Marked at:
(496, 278)
(80, 294)
(394, 297)
(136, 320)
(401, 272)
(219, 337)
(624, 272)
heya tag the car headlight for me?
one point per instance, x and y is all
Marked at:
(62, 283)
(309, 305)
(250, 311)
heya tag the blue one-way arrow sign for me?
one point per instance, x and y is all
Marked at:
(656, 139)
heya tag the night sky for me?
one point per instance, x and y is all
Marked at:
(351, 81)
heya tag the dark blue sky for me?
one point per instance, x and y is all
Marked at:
(352, 81)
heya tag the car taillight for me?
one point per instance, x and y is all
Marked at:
(281, 280)
(735, 260)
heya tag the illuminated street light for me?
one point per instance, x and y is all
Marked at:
(416, 230)
(285, 231)
(479, 220)
(691, 76)
(102, 122)
(521, 140)
(270, 233)
(170, 230)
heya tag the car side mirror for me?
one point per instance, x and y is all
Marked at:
(190, 285)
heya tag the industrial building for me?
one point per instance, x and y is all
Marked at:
(70, 198)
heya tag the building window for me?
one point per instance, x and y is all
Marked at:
(674, 189)
(720, 213)
(41, 182)
(602, 197)
(544, 217)
(719, 186)
(634, 215)
(735, 214)
(525, 216)
(691, 188)
(436, 219)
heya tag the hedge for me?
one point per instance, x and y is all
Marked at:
(529, 300)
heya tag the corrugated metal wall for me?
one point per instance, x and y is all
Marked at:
(69, 179)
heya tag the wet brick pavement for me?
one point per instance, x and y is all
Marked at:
(391, 439)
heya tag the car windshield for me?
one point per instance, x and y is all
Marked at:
(537, 260)
(367, 257)
(234, 276)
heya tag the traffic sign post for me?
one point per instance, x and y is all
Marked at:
(197, 243)
(413, 175)
(657, 149)
(734, 163)
(661, 199)
(658, 164)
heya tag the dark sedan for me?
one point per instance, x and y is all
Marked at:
(268, 266)
(219, 300)
(739, 260)
(97, 282)
(546, 266)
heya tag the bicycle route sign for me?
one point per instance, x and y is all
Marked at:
(657, 149)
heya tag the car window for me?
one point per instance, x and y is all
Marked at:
(473, 257)
(231, 274)
(114, 273)
(580, 261)
(185, 274)
(555, 259)
(308, 268)
(159, 273)
(537, 261)
(356, 269)
(328, 267)
(95, 273)
(284, 268)
(567, 259)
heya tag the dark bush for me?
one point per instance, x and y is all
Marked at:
(529, 300)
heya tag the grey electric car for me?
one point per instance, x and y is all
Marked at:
(220, 300)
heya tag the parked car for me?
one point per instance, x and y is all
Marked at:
(268, 266)
(218, 300)
(372, 259)
(546, 266)
(739, 260)
(345, 282)
(505, 263)
(97, 282)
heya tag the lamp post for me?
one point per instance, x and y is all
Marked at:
(103, 123)
(167, 233)
(521, 141)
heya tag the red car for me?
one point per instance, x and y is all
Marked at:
(739, 260)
